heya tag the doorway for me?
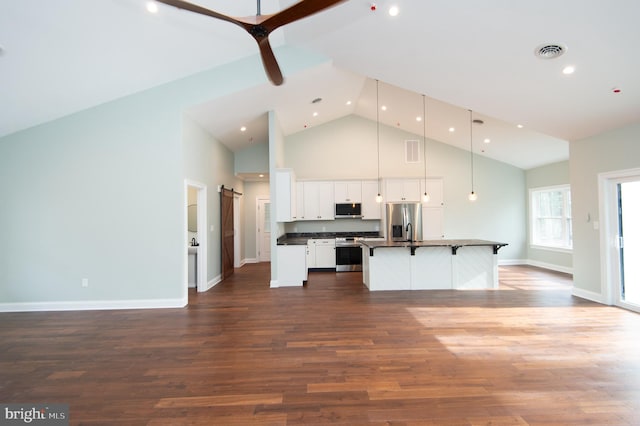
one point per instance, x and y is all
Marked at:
(196, 228)
(263, 229)
(621, 237)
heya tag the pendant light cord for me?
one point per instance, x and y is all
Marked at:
(378, 130)
(471, 143)
(424, 139)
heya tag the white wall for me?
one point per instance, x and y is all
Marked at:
(615, 150)
(253, 159)
(347, 148)
(539, 177)
(252, 191)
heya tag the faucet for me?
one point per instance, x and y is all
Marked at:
(194, 242)
(409, 235)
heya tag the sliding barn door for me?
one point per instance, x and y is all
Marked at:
(226, 217)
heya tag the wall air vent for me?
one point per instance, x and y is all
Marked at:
(412, 151)
(550, 51)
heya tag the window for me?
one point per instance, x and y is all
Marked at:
(551, 217)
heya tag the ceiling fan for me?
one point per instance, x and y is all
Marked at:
(260, 26)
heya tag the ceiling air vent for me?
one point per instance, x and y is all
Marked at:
(550, 51)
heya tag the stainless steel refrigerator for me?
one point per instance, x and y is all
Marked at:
(404, 221)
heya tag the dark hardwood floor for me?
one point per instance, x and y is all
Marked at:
(331, 352)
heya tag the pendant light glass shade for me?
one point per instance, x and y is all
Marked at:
(379, 196)
(472, 196)
(425, 197)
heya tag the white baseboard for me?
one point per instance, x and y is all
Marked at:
(216, 280)
(589, 295)
(251, 260)
(508, 262)
(93, 305)
(550, 266)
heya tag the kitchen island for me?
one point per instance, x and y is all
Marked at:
(430, 265)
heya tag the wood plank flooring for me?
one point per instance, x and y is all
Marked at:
(334, 353)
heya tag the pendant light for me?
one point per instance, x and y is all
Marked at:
(425, 197)
(379, 196)
(472, 196)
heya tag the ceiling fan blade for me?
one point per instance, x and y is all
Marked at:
(296, 12)
(185, 5)
(269, 62)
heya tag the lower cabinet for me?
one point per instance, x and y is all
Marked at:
(292, 266)
(321, 253)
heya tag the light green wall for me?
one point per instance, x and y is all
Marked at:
(100, 195)
(209, 162)
(95, 195)
(347, 148)
(611, 151)
(254, 159)
(539, 177)
(276, 161)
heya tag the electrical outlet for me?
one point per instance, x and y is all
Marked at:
(85, 282)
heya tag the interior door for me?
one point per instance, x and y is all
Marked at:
(264, 230)
(227, 240)
(629, 234)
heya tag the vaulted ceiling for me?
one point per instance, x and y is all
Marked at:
(62, 56)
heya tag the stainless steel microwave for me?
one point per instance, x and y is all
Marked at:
(348, 210)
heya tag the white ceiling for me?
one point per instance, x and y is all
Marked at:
(60, 57)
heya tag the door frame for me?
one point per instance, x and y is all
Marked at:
(237, 234)
(609, 234)
(202, 251)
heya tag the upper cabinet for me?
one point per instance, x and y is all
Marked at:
(402, 190)
(371, 210)
(317, 200)
(348, 191)
(285, 195)
(435, 188)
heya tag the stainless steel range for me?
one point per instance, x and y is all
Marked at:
(348, 254)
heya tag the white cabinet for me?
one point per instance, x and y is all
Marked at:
(285, 195)
(317, 200)
(292, 268)
(371, 210)
(402, 190)
(435, 188)
(432, 223)
(348, 191)
(321, 253)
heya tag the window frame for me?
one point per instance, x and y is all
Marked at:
(567, 232)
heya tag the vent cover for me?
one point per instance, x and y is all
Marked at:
(550, 51)
(412, 151)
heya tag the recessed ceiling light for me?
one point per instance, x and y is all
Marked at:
(152, 7)
(393, 10)
(519, 126)
(487, 140)
(243, 129)
(348, 102)
(383, 107)
(418, 118)
(261, 175)
(452, 129)
(569, 69)
(315, 114)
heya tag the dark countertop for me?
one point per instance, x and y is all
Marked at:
(413, 245)
(301, 238)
